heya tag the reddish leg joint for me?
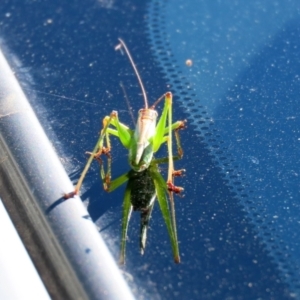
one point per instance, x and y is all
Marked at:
(177, 173)
(71, 195)
(173, 188)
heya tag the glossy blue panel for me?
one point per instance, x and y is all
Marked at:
(238, 221)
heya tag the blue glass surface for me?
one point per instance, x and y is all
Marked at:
(238, 222)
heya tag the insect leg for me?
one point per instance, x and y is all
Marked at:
(169, 216)
(127, 209)
(179, 125)
(96, 151)
(170, 184)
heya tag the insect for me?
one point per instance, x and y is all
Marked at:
(144, 181)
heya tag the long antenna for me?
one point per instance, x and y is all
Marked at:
(127, 102)
(135, 70)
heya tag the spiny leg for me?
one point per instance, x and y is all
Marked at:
(105, 175)
(171, 170)
(124, 135)
(177, 137)
(164, 134)
(179, 125)
(170, 184)
(104, 150)
(172, 188)
(164, 204)
(127, 209)
(176, 173)
(96, 152)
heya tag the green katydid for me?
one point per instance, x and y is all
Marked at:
(145, 183)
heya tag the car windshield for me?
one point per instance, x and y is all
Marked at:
(233, 69)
